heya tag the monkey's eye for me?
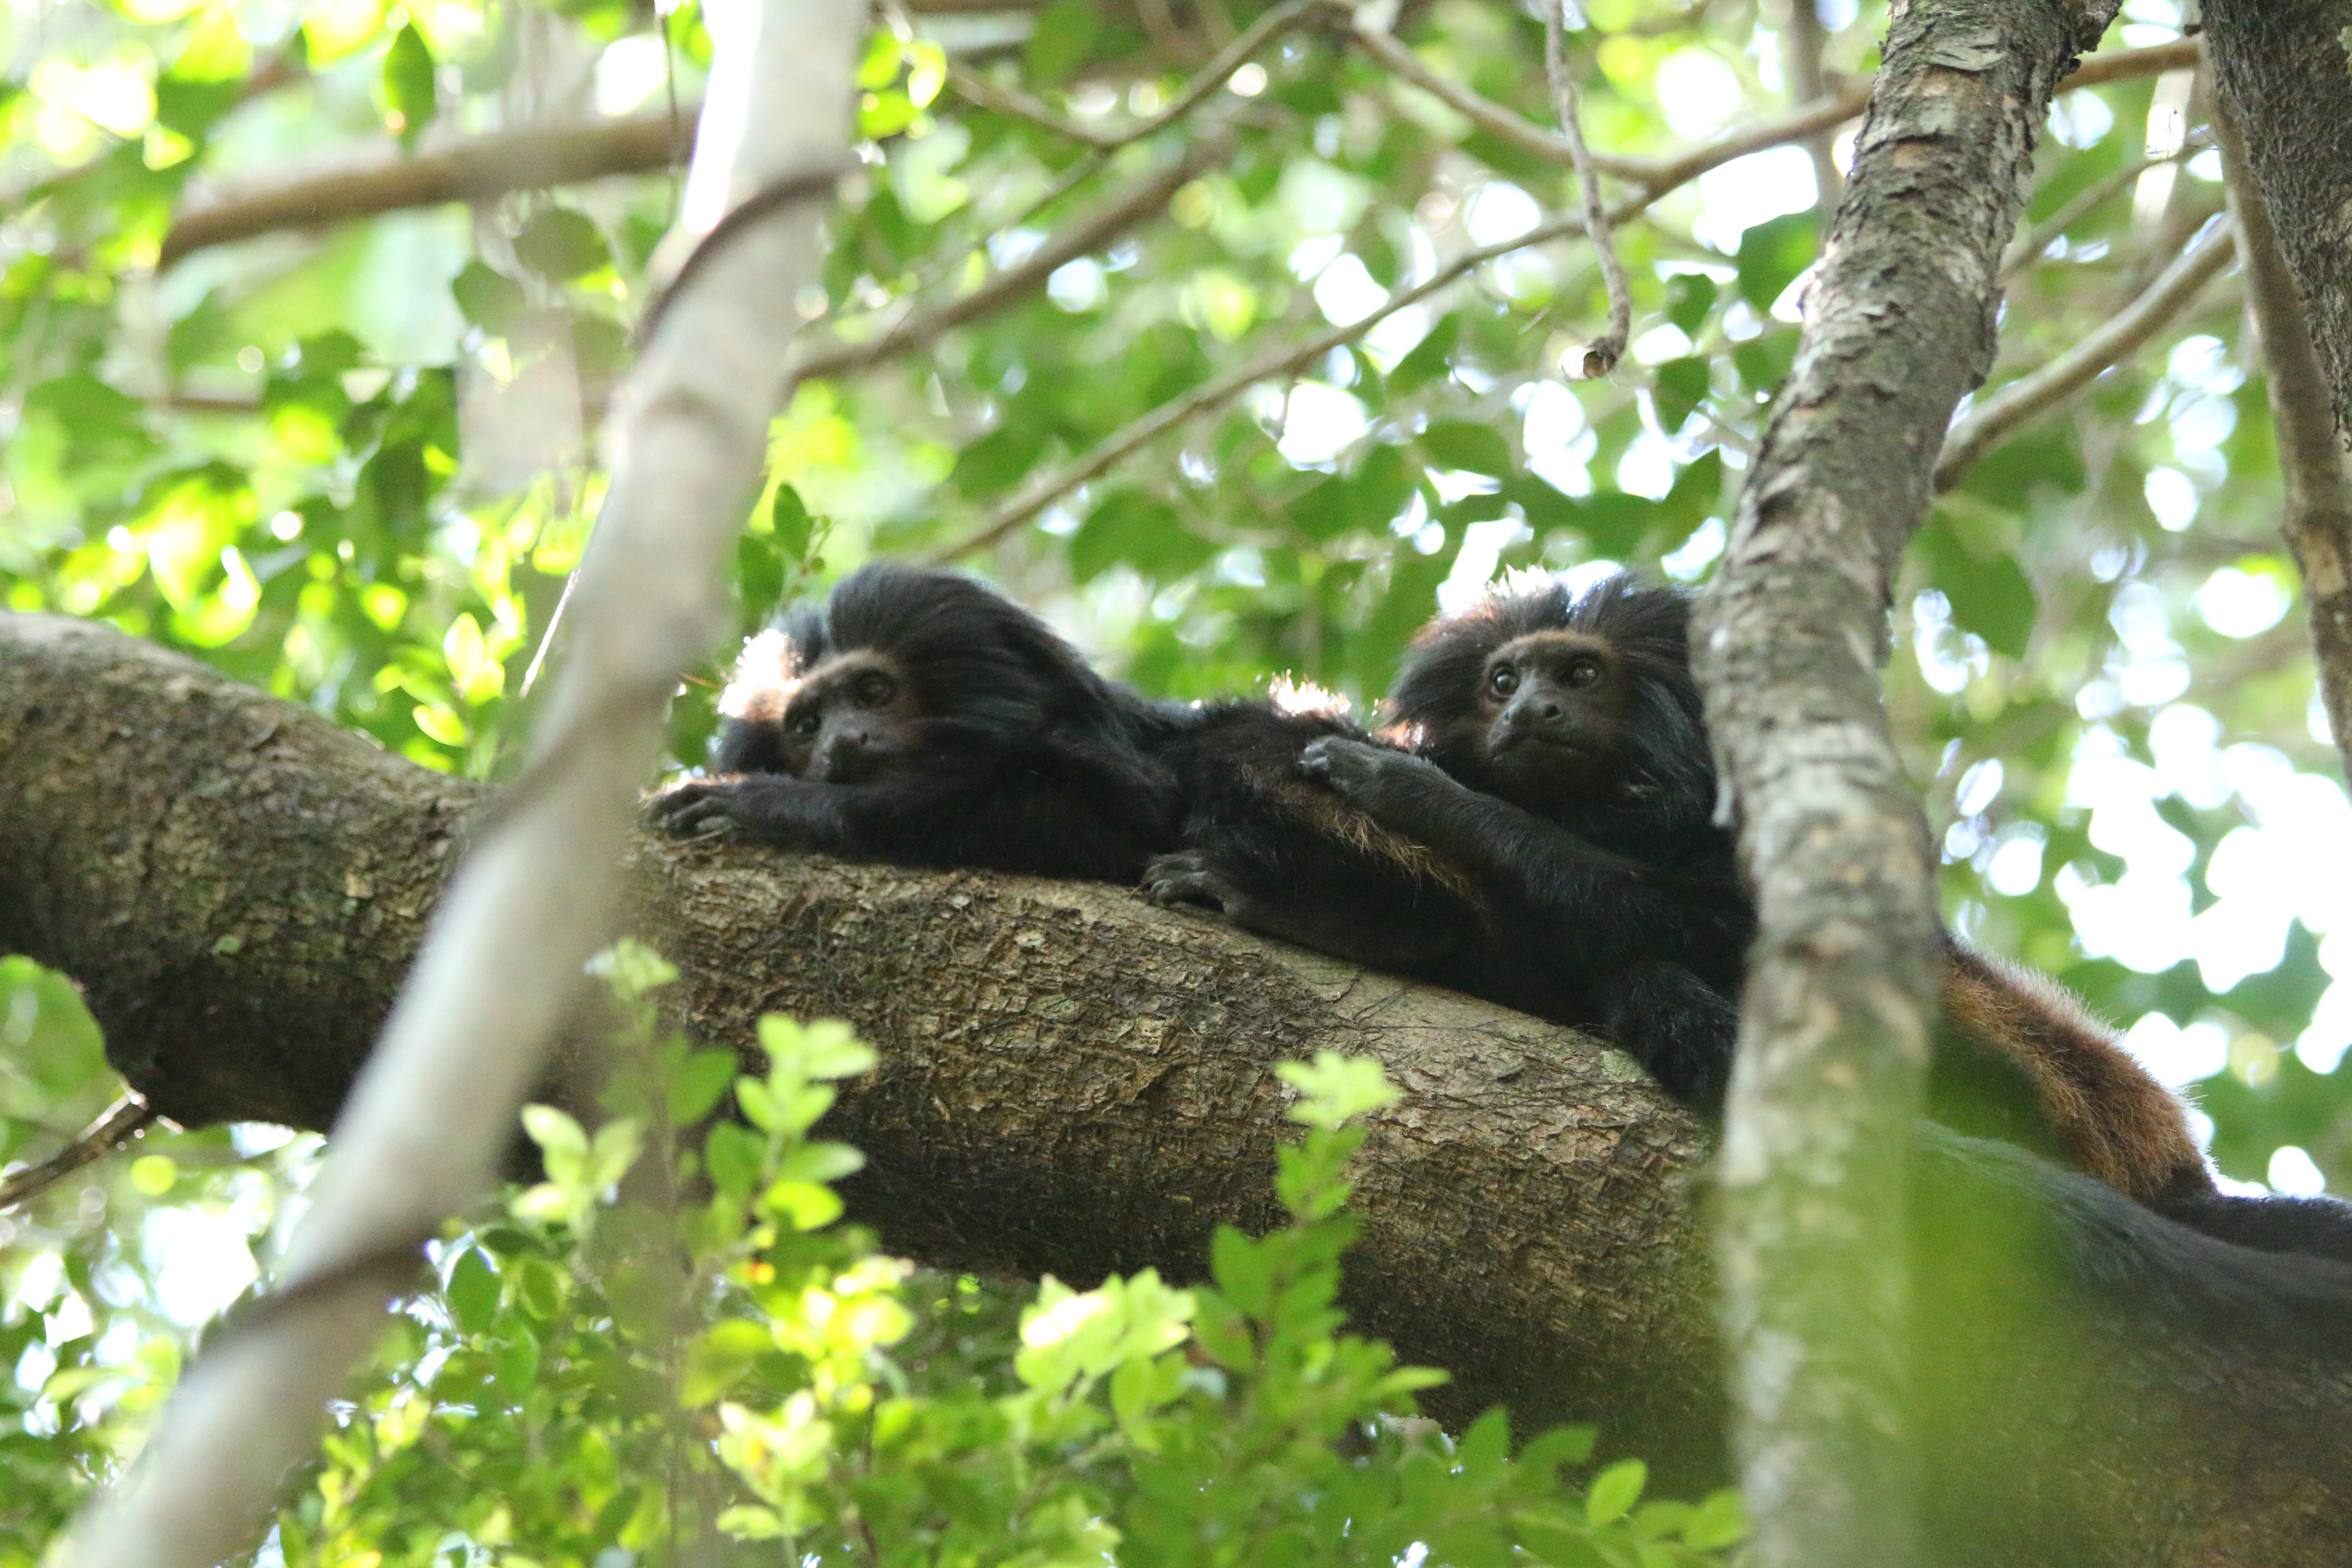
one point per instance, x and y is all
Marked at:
(1503, 680)
(802, 724)
(873, 690)
(1583, 672)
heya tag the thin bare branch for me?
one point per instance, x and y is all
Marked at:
(2125, 63)
(1601, 354)
(2318, 515)
(1093, 231)
(977, 90)
(1802, 47)
(420, 1135)
(2097, 194)
(1036, 496)
(1503, 124)
(480, 168)
(2101, 351)
(116, 1125)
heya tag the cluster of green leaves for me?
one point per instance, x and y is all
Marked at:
(103, 1277)
(671, 1342)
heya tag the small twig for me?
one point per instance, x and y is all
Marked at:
(1042, 493)
(2084, 363)
(1020, 105)
(2317, 521)
(116, 1125)
(1601, 354)
(1802, 47)
(1092, 232)
(1501, 123)
(2096, 194)
(2125, 63)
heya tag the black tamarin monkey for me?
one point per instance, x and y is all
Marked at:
(918, 717)
(1550, 726)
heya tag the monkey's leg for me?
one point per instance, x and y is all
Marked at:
(1674, 1025)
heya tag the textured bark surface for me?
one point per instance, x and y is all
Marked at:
(1073, 1080)
(2284, 71)
(2318, 513)
(1900, 321)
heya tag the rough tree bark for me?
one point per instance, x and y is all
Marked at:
(2282, 69)
(1900, 321)
(1074, 1081)
(2299, 283)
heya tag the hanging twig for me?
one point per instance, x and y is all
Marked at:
(1600, 356)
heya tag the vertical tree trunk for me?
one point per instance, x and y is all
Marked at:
(1900, 321)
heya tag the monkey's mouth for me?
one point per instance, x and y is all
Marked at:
(1537, 740)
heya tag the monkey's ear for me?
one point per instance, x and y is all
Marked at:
(1407, 733)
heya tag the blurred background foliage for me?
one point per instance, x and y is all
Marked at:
(355, 463)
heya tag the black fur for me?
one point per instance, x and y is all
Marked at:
(1015, 755)
(1615, 904)
(1272, 851)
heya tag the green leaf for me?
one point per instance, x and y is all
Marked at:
(1689, 297)
(408, 89)
(1989, 593)
(1335, 1089)
(488, 298)
(1763, 363)
(1616, 1490)
(472, 1292)
(1059, 41)
(792, 527)
(1681, 390)
(1771, 254)
(1473, 448)
(1131, 527)
(1428, 359)
(698, 1082)
(559, 244)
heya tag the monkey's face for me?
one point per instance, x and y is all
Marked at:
(1554, 706)
(851, 719)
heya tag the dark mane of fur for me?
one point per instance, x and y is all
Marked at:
(984, 669)
(1670, 780)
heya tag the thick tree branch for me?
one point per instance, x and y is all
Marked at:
(2279, 72)
(1900, 321)
(481, 168)
(2319, 518)
(1073, 1080)
(2115, 341)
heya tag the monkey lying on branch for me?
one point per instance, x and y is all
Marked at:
(1548, 843)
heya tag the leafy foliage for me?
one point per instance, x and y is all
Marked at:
(577, 1381)
(354, 466)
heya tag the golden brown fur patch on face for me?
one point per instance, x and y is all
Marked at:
(2116, 1123)
(763, 681)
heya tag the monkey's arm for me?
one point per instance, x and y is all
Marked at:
(798, 814)
(1599, 898)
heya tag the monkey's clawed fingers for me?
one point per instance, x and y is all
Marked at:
(689, 809)
(1185, 878)
(1344, 764)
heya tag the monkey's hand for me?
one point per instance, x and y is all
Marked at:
(704, 808)
(1379, 779)
(1189, 877)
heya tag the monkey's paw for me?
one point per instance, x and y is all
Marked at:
(1355, 768)
(1186, 878)
(692, 810)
